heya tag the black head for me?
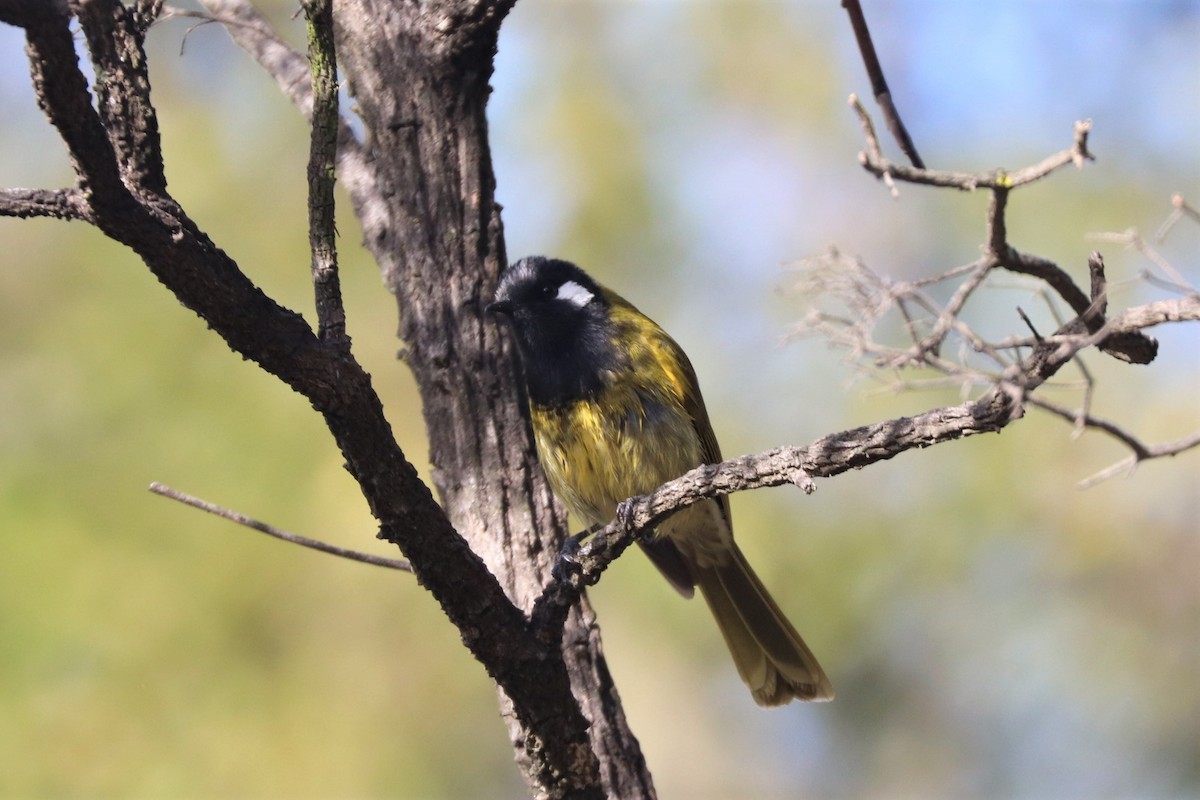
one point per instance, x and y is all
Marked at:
(560, 317)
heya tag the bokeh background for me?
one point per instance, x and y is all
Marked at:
(992, 630)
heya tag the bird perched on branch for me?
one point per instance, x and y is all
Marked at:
(616, 413)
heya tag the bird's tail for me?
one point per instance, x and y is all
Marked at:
(769, 654)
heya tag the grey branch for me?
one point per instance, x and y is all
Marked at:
(873, 160)
(270, 530)
(824, 458)
(1141, 451)
(1132, 347)
(879, 87)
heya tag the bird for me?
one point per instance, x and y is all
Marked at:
(616, 412)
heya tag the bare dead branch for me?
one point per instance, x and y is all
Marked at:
(1077, 154)
(1082, 419)
(1181, 210)
(1183, 309)
(1046, 270)
(1132, 347)
(948, 318)
(115, 36)
(1127, 465)
(1131, 239)
(65, 204)
(253, 33)
(824, 458)
(995, 243)
(879, 87)
(270, 530)
(62, 93)
(867, 299)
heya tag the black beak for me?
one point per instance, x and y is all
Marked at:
(499, 307)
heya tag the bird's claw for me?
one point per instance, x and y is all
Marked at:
(567, 563)
(626, 516)
(625, 513)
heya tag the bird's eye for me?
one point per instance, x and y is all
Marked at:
(547, 291)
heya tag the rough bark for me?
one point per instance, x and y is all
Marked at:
(420, 77)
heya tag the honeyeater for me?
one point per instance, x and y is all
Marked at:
(616, 413)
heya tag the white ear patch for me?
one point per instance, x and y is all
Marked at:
(574, 294)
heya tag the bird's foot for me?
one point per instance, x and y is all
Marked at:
(567, 563)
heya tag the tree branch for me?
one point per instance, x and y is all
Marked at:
(270, 530)
(1164, 450)
(115, 36)
(62, 94)
(1182, 210)
(883, 95)
(873, 161)
(65, 204)
(1132, 347)
(1127, 345)
(322, 236)
(826, 457)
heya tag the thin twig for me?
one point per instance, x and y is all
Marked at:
(1180, 203)
(1128, 464)
(1081, 418)
(874, 153)
(1076, 154)
(262, 527)
(883, 95)
(1132, 240)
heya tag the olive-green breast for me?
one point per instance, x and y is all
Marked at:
(646, 425)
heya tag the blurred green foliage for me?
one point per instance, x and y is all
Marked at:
(991, 630)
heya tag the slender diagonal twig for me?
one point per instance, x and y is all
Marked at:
(1127, 465)
(1182, 210)
(879, 87)
(1132, 239)
(1081, 418)
(270, 530)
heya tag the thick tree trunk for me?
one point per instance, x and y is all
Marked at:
(420, 77)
